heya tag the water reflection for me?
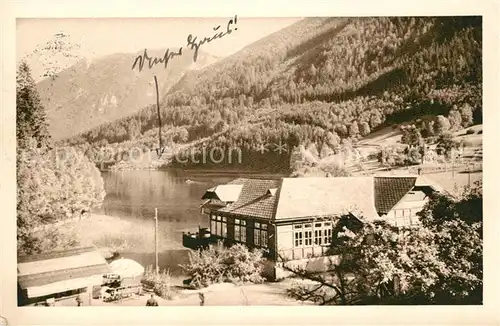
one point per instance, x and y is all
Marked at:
(177, 195)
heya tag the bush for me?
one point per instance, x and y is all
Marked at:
(163, 290)
(159, 282)
(414, 156)
(218, 264)
(334, 170)
(446, 144)
(243, 265)
(395, 157)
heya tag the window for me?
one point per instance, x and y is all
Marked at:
(328, 236)
(237, 230)
(260, 234)
(263, 235)
(213, 225)
(240, 230)
(298, 239)
(403, 217)
(256, 234)
(218, 226)
(318, 237)
(413, 218)
(243, 230)
(302, 237)
(224, 227)
(308, 238)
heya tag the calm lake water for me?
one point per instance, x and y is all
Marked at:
(134, 195)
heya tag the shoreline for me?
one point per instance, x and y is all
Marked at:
(203, 171)
(128, 239)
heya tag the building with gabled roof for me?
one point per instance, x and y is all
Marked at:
(225, 193)
(294, 217)
(59, 274)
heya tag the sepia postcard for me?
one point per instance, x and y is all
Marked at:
(249, 161)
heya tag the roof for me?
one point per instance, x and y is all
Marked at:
(213, 204)
(367, 197)
(33, 280)
(256, 199)
(303, 197)
(225, 193)
(423, 181)
(390, 190)
(59, 267)
(53, 254)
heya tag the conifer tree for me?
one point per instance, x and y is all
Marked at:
(31, 117)
(53, 184)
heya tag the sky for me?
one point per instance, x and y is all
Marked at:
(102, 36)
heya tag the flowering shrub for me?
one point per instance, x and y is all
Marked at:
(439, 262)
(159, 282)
(219, 264)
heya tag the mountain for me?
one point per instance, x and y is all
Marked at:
(50, 58)
(319, 82)
(79, 93)
(334, 60)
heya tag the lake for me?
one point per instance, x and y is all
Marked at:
(134, 195)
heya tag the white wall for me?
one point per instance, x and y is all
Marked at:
(284, 239)
(287, 249)
(404, 213)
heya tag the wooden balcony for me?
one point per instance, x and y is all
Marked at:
(198, 240)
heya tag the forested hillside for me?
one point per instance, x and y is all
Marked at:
(319, 81)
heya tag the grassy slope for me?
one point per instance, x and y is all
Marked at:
(444, 174)
(448, 177)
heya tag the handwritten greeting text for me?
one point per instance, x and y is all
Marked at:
(194, 44)
(152, 61)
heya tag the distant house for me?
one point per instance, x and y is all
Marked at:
(294, 217)
(59, 274)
